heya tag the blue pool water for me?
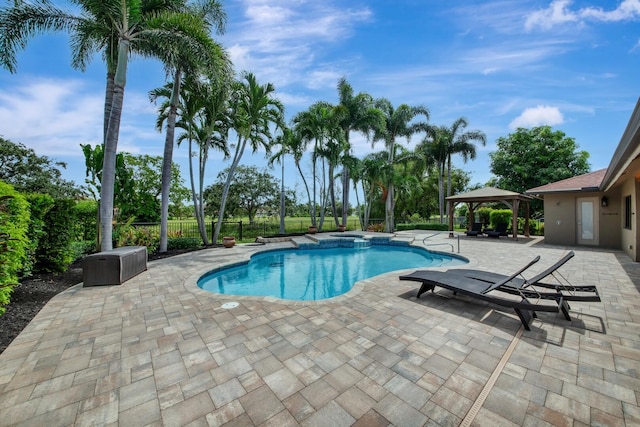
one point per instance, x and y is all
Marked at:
(315, 274)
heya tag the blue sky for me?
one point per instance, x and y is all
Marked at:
(573, 65)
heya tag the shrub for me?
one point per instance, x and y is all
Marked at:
(484, 214)
(86, 212)
(39, 205)
(139, 236)
(82, 248)
(54, 252)
(501, 216)
(423, 226)
(184, 243)
(14, 224)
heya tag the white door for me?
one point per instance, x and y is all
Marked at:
(587, 221)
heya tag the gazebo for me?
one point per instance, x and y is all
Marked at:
(475, 198)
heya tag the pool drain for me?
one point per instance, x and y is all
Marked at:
(228, 305)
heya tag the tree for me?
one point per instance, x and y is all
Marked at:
(397, 125)
(252, 191)
(356, 113)
(29, 173)
(441, 143)
(253, 111)
(533, 157)
(116, 28)
(190, 62)
(137, 183)
(313, 125)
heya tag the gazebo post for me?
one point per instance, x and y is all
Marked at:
(526, 219)
(450, 206)
(514, 218)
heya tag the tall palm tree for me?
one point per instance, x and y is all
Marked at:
(285, 142)
(253, 111)
(461, 143)
(373, 173)
(211, 15)
(114, 27)
(292, 143)
(203, 111)
(356, 113)
(433, 150)
(312, 125)
(397, 125)
(441, 143)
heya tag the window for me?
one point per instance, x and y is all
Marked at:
(627, 212)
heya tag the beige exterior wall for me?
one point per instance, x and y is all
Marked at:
(560, 215)
(559, 219)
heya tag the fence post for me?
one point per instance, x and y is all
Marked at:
(212, 228)
(240, 229)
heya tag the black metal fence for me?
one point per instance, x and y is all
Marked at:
(243, 230)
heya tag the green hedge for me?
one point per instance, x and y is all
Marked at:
(54, 252)
(14, 226)
(39, 205)
(184, 243)
(86, 212)
(423, 226)
(501, 216)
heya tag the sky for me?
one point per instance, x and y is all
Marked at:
(502, 64)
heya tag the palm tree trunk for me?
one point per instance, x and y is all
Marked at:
(441, 189)
(312, 206)
(448, 183)
(389, 208)
(227, 184)
(196, 207)
(332, 193)
(108, 102)
(111, 148)
(202, 162)
(345, 194)
(306, 186)
(167, 159)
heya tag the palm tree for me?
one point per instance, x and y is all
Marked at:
(397, 125)
(285, 142)
(355, 113)
(442, 143)
(114, 27)
(313, 125)
(253, 111)
(187, 61)
(461, 143)
(373, 173)
(433, 150)
(204, 119)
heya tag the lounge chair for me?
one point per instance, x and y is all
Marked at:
(476, 229)
(569, 292)
(500, 230)
(490, 292)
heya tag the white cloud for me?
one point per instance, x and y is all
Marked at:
(281, 39)
(558, 12)
(53, 117)
(538, 116)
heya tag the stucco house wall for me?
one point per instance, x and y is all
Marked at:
(617, 227)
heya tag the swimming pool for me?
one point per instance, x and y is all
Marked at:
(316, 274)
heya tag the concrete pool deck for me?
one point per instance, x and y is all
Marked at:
(159, 351)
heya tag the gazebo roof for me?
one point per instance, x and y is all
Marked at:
(488, 194)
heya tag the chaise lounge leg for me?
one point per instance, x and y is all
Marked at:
(525, 317)
(424, 288)
(565, 309)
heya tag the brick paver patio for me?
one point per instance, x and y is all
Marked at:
(157, 350)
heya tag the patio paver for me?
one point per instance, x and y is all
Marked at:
(157, 350)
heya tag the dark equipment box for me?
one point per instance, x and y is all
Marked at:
(115, 266)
